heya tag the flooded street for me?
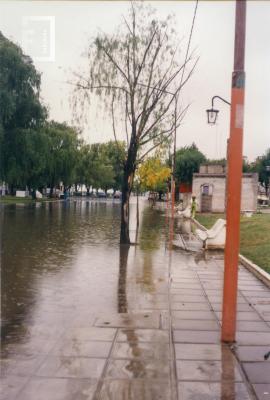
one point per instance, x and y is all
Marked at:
(61, 261)
(86, 319)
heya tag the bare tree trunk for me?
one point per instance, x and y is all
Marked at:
(122, 280)
(124, 233)
(129, 170)
(137, 210)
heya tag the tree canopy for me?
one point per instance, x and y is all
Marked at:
(187, 162)
(138, 77)
(153, 174)
(21, 111)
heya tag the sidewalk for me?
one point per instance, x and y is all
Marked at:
(205, 368)
(166, 347)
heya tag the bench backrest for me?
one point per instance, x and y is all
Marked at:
(218, 225)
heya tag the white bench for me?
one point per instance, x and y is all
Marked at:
(215, 237)
(186, 213)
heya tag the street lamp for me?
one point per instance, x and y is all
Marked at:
(212, 113)
(267, 169)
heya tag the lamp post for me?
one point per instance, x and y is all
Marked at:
(267, 169)
(234, 176)
(212, 113)
(234, 179)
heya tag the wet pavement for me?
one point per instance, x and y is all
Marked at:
(84, 319)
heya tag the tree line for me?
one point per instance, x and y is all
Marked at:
(36, 152)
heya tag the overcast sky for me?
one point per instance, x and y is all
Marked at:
(58, 51)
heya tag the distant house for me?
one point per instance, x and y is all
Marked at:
(209, 187)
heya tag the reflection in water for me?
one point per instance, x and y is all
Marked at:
(228, 374)
(150, 240)
(135, 367)
(61, 260)
(41, 247)
(122, 280)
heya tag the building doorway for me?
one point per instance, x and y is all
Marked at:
(206, 197)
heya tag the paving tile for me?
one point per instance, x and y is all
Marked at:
(243, 316)
(138, 368)
(199, 325)
(196, 351)
(91, 333)
(250, 288)
(194, 315)
(262, 391)
(71, 367)
(31, 347)
(262, 307)
(266, 316)
(182, 336)
(257, 293)
(207, 370)
(258, 372)
(203, 306)
(76, 348)
(141, 350)
(135, 390)
(252, 326)
(251, 338)
(252, 353)
(22, 366)
(189, 286)
(212, 391)
(240, 307)
(218, 299)
(142, 335)
(136, 320)
(262, 303)
(11, 386)
(58, 389)
(187, 297)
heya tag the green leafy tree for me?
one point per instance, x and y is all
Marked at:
(62, 154)
(262, 166)
(20, 108)
(187, 162)
(136, 74)
(114, 153)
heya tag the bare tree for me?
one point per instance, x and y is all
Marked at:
(136, 74)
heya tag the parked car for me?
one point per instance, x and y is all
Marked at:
(117, 194)
(101, 194)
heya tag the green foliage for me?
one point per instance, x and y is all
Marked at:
(260, 166)
(254, 236)
(61, 153)
(100, 165)
(21, 113)
(187, 162)
(20, 88)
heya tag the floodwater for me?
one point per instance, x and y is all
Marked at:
(84, 318)
(62, 262)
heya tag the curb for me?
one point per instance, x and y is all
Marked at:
(253, 268)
